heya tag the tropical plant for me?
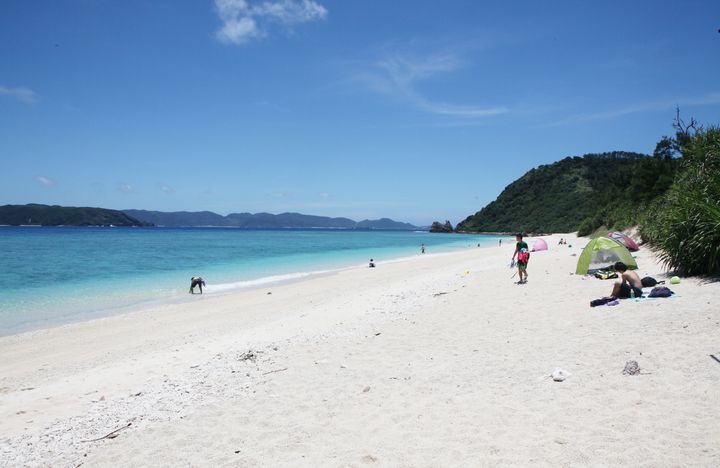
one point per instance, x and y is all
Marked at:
(685, 225)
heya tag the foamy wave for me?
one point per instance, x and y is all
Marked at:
(275, 279)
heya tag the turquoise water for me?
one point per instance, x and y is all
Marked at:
(59, 275)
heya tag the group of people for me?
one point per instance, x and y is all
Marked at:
(629, 286)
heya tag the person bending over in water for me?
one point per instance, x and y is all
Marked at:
(196, 281)
(630, 283)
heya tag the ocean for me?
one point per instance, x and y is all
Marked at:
(56, 275)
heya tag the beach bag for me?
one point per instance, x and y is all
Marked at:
(523, 256)
(661, 291)
(605, 274)
(648, 282)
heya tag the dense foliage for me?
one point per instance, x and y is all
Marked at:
(579, 194)
(685, 223)
(45, 215)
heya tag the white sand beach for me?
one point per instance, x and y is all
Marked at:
(435, 361)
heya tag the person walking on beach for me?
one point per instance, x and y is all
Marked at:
(196, 281)
(499, 242)
(523, 256)
(422, 248)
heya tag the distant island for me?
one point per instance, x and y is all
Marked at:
(262, 220)
(47, 215)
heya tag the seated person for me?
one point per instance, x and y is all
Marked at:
(372, 263)
(630, 282)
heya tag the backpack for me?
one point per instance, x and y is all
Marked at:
(523, 256)
(648, 282)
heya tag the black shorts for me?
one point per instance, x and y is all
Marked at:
(625, 289)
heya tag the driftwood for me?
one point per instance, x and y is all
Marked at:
(248, 356)
(715, 357)
(110, 435)
(276, 370)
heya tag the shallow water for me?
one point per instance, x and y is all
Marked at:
(56, 275)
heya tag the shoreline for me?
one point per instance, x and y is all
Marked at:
(436, 361)
(227, 289)
(132, 297)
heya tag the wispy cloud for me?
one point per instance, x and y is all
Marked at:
(126, 188)
(44, 180)
(20, 93)
(279, 194)
(651, 106)
(166, 189)
(243, 21)
(399, 74)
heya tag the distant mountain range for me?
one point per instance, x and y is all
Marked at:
(261, 220)
(46, 215)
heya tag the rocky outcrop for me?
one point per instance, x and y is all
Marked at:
(438, 227)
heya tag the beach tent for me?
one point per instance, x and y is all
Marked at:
(539, 244)
(602, 252)
(625, 240)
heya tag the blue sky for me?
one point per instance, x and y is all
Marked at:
(415, 110)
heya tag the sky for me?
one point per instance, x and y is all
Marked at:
(414, 110)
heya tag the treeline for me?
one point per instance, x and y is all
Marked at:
(673, 197)
(683, 225)
(578, 194)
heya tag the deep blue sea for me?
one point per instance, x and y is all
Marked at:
(54, 275)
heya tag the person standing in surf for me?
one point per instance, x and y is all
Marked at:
(523, 256)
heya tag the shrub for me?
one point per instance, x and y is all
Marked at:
(685, 226)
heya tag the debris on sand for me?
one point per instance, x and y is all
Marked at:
(558, 375)
(250, 355)
(631, 368)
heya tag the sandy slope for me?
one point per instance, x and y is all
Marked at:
(438, 361)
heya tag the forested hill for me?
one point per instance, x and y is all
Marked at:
(577, 193)
(46, 215)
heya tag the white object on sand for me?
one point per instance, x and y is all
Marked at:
(559, 375)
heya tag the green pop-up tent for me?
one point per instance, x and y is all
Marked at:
(602, 252)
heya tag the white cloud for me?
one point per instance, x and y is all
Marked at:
(243, 21)
(398, 74)
(46, 181)
(21, 93)
(166, 189)
(660, 105)
(126, 188)
(323, 194)
(279, 194)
